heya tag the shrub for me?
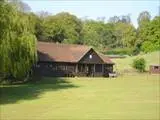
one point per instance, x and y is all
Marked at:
(120, 51)
(139, 64)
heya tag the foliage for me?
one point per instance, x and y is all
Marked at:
(21, 6)
(98, 34)
(62, 27)
(118, 33)
(125, 34)
(143, 17)
(120, 51)
(139, 64)
(17, 42)
(151, 35)
(123, 19)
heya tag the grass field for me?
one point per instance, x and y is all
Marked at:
(126, 97)
(126, 63)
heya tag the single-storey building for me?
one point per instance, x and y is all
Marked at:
(154, 69)
(61, 60)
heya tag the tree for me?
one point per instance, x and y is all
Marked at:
(124, 32)
(114, 19)
(37, 26)
(98, 34)
(17, 42)
(150, 34)
(21, 6)
(62, 27)
(43, 14)
(139, 64)
(123, 19)
(143, 17)
(125, 35)
(90, 33)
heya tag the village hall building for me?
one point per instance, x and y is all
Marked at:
(61, 60)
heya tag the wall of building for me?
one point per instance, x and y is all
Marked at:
(54, 69)
(91, 58)
(154, 69)
(70, 69)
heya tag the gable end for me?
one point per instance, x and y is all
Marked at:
(91, 57)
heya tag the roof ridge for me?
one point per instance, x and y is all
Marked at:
(63, 44)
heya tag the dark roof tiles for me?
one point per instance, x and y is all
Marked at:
(48, 51)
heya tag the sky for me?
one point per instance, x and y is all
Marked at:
(92, 9)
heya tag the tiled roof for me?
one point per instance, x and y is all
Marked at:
(48, 51)
(106, 59)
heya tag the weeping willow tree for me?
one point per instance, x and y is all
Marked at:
(17, 42)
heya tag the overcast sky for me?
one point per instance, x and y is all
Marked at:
(95, 8)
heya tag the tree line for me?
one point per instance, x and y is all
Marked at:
(20, 29)
(117, 34)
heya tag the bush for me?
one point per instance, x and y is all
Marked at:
(120, 51)
(139, 64)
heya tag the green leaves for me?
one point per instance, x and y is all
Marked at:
(149, 35)
(143, 17)
(98, 34)
(139, 64)
(62, 27)
(118, 33)
(126, 34)
(17, 42)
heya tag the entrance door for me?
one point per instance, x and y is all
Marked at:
(90, 70)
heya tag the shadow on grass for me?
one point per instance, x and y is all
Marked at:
(10, 94)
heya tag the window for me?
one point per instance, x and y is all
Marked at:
(61, 67)
(90, 56)
(48, 65)
(98, 68)
(81, 68)
(70, 68)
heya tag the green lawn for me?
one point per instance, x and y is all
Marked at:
(126, 97)
(126, 63)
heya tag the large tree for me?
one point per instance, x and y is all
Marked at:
(149, 35)
(62, 27)
(143, 17)
(17, 42)
(148, 32)
(98, 34)
(125, 34)
(21, 6)
(114, 19)
(123, 19)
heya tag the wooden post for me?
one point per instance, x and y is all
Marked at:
(94, 70)
(76, 68)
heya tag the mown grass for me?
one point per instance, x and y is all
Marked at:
(125, 97)
(126, 63)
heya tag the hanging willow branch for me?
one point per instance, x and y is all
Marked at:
(17, 42)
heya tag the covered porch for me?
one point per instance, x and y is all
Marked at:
(83, 69)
